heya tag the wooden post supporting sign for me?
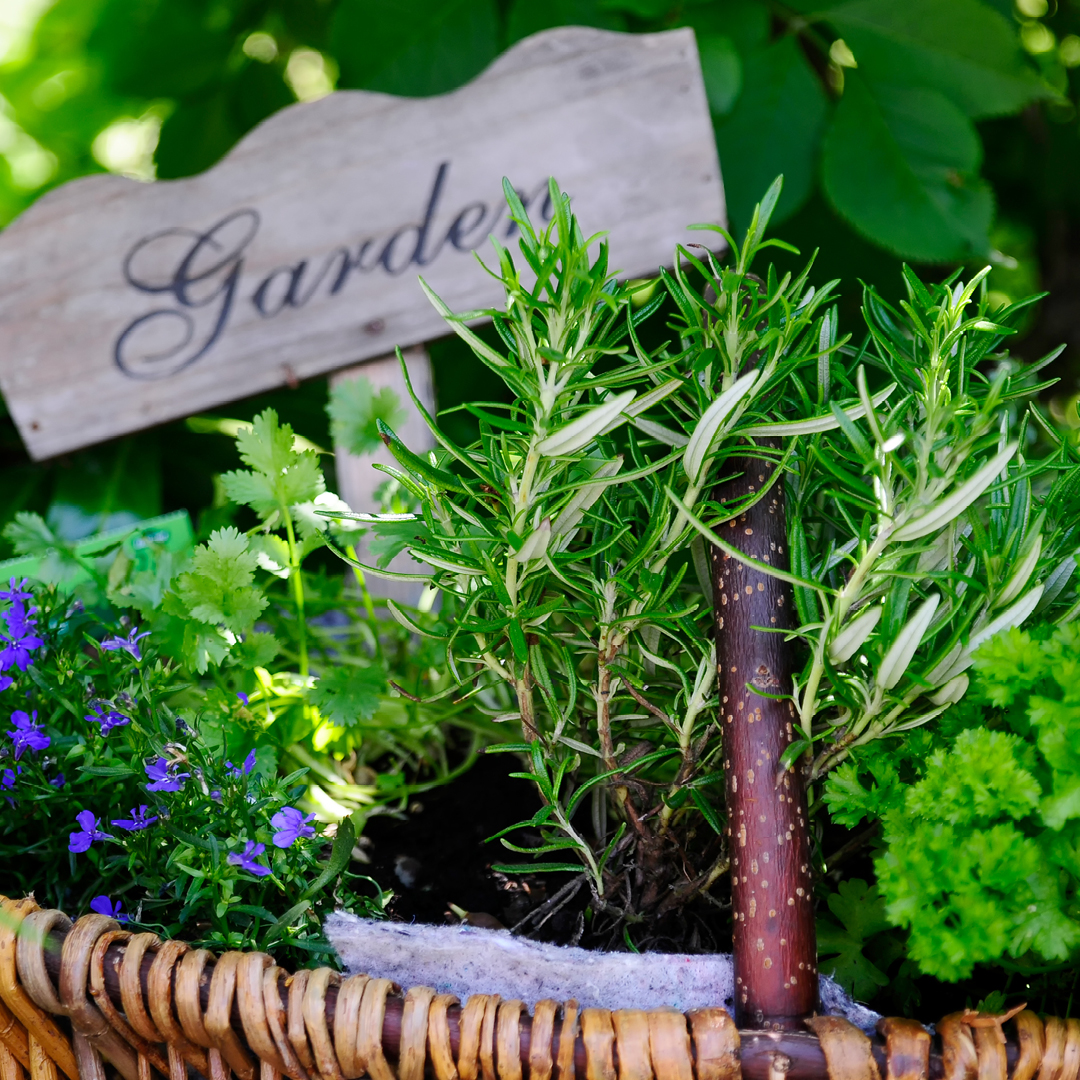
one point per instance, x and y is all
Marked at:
(358, 482)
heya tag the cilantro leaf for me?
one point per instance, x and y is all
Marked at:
(218, 587)
(354, 409)
(280, 476)
(347, 695)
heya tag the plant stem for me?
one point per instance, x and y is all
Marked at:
(846, 597)
(298, 597)
(775, 948)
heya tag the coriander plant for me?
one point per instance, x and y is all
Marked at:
(246, 613)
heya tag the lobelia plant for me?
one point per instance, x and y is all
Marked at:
(115, 801)
(127, 735)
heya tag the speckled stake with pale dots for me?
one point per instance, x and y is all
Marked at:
(775, 946)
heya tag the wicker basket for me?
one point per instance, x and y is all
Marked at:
(90, 1000)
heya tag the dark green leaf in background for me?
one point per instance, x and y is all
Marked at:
(961, 48)
(746, 22)
(642, 9)
(780, 113)
(722, 71)
(901, 165)
(413, 47)
(528, 16)
(258, 91)
(195, 136)
(139, 45)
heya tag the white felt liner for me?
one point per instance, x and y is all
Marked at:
(466, 960)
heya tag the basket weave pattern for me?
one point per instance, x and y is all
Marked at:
(147, 1009)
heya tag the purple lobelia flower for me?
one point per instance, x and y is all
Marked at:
(87, 833)
(243, 697)
(7, 778)
(164, 776)
(107, 718)
(235, 772)
(137, 821)
(291, 825)
(7, 782)
(5, 681)
(20, 640)
(58, 780)
(16, 593)
(129, 644)
(20, 620)
(246, 859)
(27, 733)
(104, 906)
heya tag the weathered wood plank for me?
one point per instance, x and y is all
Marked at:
(125, 304)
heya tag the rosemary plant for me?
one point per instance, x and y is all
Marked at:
(928, 527)
(572, 536)
(564, 537)
(921, 523)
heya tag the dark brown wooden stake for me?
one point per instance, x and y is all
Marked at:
(775, 947)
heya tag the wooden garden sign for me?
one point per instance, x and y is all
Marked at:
(123, 304)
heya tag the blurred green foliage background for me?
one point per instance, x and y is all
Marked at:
(933, 131)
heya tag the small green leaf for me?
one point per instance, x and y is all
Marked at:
(413, 47)
(517, 640)
(115, 771)
(340, 854)
(418, 466)
(350, 695)
(707, 811)
(537, 868)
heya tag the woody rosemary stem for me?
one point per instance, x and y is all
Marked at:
(774, 943)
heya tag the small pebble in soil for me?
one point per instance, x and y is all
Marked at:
(407, 870)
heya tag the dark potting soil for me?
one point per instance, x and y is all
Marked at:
(434, 856)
